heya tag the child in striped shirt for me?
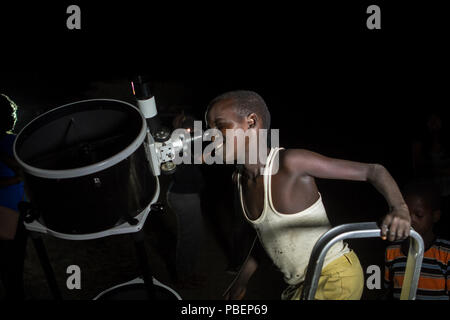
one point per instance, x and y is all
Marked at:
(424, 207)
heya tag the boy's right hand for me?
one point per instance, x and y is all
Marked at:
(236, 292)
(234, 176)
(238, 289)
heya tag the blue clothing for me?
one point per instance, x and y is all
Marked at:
(10, 196)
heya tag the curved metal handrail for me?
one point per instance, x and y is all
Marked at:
(356, 231)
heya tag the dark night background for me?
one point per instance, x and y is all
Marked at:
(332, 86)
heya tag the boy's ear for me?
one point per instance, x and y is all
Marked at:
(252, 120)
(436, 215)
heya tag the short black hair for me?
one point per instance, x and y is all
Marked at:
(188, 122)
(7, 114)
(245, 103)
(426, 190)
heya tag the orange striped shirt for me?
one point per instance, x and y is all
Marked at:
(434, 275)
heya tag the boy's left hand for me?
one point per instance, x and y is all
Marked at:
(396, 225)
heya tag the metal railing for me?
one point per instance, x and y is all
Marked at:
(357, 231)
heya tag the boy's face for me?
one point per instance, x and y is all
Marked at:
(422, 216)
(222, 116)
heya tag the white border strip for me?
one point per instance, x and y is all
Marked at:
(83, 171)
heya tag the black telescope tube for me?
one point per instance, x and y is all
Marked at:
(142, 92)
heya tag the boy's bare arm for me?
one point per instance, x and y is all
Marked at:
(397, 221)
(238, 288)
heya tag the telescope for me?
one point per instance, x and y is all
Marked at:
(161, 146)
(91, 170)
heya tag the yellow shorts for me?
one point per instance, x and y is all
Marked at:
(341, 279)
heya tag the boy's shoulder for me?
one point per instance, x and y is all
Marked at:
(442, 244)
(440, 250)
(289, 159)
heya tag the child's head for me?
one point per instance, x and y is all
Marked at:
(240, 109)
(423, 202)
(434, 123)
(248, 106)
(7, 114)
(183, 121)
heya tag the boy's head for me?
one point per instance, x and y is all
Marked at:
(241, 109)
(7, 114)
(247, 106)
(434, 123)
(183, 121)
(423, 202)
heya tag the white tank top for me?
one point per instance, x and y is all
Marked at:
(289, 238)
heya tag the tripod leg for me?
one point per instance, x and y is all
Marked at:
(46, 266)
(143, 262)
